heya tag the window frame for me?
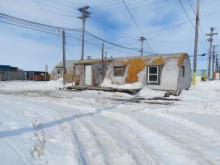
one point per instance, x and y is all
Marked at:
(119, 66)
(154, 74)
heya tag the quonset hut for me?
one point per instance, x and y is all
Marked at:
(168, 72)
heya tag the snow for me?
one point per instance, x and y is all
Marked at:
(41, 124)
(149, 93)
(108, 83)
(29, 85)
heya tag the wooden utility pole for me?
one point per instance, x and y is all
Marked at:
(217, 64)
(64, 55)
(196, 43)
(46, 72)
(142, 39)
(103, 50)
(84, 15)
(213, 61)
(210, 39)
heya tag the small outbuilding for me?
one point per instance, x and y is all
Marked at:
(57, 71)
(8, 73)
(168, 72)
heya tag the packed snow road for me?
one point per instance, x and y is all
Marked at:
(41, 125)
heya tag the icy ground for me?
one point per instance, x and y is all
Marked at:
(40, 125)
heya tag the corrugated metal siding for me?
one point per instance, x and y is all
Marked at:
(11, 75)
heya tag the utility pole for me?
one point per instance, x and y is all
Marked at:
(142, 39)
(105, 55)
(84, 15)
(210, 39)
(217, 64)
(213, 61)
(103, 50)
(196, 43)
(64, 55)
(46, 72)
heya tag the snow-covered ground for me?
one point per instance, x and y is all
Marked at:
(40, 124)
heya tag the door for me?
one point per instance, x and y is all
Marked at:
(88, 75)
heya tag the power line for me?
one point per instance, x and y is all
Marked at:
(191, 6)
(63, 3)
(135, 22)
(58, 10)
(111, 43)
(31, 28)
(167, 30)
(32, 23)
(49, 28)
(115, 44)
(190, 20)
(132, 17)
(57, 34)
(135, 5)
(42, 11)
(200, 27)
(184, 10)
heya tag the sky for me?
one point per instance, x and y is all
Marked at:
(163, 22)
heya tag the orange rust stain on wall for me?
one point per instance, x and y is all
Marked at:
(181, 60)
(158, 61)
(135, 66)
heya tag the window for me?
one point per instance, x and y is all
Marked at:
(119, 71)
(153, 74)
(183, 71)
(58, 71)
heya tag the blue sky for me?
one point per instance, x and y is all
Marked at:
(31, 50)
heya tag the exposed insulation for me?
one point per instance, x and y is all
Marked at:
(134, 67)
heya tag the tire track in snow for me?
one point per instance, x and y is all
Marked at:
(116, 154)
(163, 148)
(16, 151)
(90, 146)
(101, 145)
(209, 138)
(209, 133)
(131, 143)
(199, 155)
(10, 144)
(56, 115)
(27, 111)
(81, 155)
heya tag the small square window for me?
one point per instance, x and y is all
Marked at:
(153, 74)
(58, 71)
(118, 71)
